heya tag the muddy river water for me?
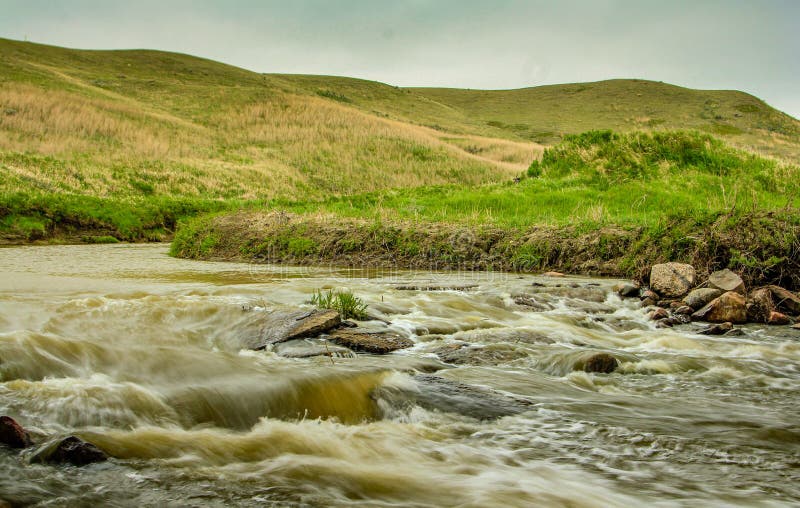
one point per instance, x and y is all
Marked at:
(140, 354)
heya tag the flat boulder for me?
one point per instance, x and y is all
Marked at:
(277, 326)
(726, 280)
(729, 306)
(672, 280)
(379, 343)
(699, 298)
(759, 305)
(12, 434)
(785, 300)
(73, 450)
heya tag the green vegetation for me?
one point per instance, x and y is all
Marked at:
(601, 201)
(348, 305)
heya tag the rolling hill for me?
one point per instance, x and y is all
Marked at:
(147, 128)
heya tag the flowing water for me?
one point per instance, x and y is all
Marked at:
(140, 354)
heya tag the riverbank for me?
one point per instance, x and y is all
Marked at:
(763, 246)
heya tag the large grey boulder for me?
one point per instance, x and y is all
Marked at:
(730, 307)
(726, 280)
(672, 280)
(699, 298)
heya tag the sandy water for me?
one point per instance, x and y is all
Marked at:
(140, 354)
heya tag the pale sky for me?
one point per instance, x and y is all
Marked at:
(752, 45)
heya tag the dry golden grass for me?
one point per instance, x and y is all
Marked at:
(287, 146)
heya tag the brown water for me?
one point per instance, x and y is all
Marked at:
(139, 353)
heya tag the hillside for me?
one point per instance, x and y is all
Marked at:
(545, 114)
(176, 134)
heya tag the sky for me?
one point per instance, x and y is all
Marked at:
(752, 45)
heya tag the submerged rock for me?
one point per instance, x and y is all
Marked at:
(306, 348)
(728, 307)
(785, 300)
(73, 450)
(759, 305)
(699, 298)
(531, 302)
(465, 354)
(379, 343)
(719, 329)
(726, 280)
(12, 434)
(672, 280)
(441, 394)
(602, 363)
(436, 287)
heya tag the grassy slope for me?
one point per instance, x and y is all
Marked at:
(599, 201)
(546, 113)
(126, 142)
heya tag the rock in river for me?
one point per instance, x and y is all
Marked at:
(602, 363)
(728, 307)
(72, 450)
(672, 280)
(378, 343)
(283, 325)
(12, 434)
(699, 298)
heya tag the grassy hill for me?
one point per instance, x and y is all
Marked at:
(126, 142)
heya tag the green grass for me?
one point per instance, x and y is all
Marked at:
(596, 178)
(348, 305)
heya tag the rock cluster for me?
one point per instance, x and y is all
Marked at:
(722, 299)
(70, 450)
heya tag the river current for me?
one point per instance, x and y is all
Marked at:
(140, 354)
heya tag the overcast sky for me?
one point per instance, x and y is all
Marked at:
(751, 45)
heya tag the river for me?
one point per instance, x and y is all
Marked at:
(139, 353)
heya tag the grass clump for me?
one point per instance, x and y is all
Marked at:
(346, 303)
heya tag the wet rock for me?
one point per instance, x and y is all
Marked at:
(602, 363)
(659, 314)
(672, 280)
(759, 305)
(736, 332)
(726, 280)
(628, 290)
(73, 450)
(441, 394)
(778, 318)
(785, 300)
(699, 298)
(675, 304)
(531, 302)
(465, 354)
(680, 319)
(649, 302)
(12, 434)
(283, 325)
(684, 310)
(379, 343)
(718, 329)
(728, 307)
(307, 348)
(552, 274)
(665, 323)
(315, 324)
(796, 326)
